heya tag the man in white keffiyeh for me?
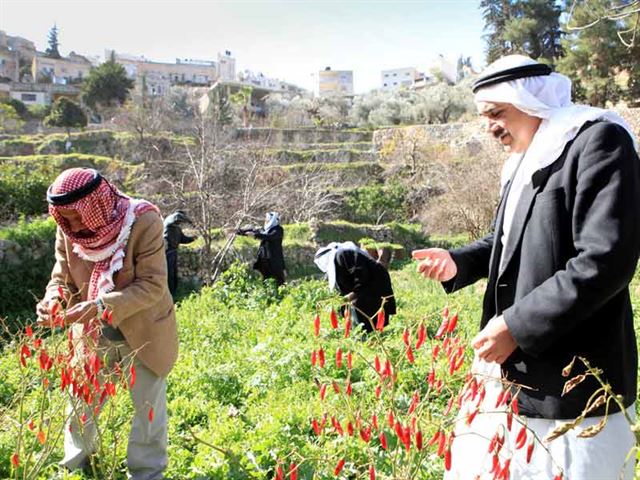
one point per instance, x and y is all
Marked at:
(563, 250)
(110, 258)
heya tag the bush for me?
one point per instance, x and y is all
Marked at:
(24, 180)
(376, 204)
(26, 259)
(18, 106)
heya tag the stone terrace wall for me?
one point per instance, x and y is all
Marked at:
(468, 139)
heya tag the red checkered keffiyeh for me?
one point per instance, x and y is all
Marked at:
(106, 212)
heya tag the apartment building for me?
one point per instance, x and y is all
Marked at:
(155, 78)
(63, 71)
(398, 77)
(335, 82)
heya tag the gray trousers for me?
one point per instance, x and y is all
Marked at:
(147, 447)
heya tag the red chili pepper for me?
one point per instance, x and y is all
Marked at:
(514, 406)
(509, 420)
(442, 329)
(422, 336)
(321, 357)
(380, 321)
(365, 434)
(449, 406)
(442, 442)
(419, 440)
(521, 438)
(453, 321)
(339, 466)
(387, 368)
(334, 319)
(445, 312)
(447, 459)
(28, 331)
(415, 400)
(316, 325)
(530, 450)
(339, 357)
(405, 336)
(500, 397)
(504, 473)
(347, 326)
(150, 414)
(434, 438)
(410, 356)
(336, 387)
(390, 419)
(279, 473)
(132, 372)
(374, 421)
(349, 389)
(349, 361)
(316, 427)
(431, 378)
(376, 364)
(314, 358)
(323, 391)
(471, 416)
(372, 472)
(293, 471)
(383, 441)
(435, 351)
(378, 391)
(15, 460)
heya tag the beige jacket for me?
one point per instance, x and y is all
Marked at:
(141, 304)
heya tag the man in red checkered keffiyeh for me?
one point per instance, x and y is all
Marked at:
(98, 223)
(126, 316)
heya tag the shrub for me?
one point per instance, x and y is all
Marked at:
(376, 203)
(26, 259)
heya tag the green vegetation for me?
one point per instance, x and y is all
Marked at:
(24, 179)
(67, 114)
(26, 259)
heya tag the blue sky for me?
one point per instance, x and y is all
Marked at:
(285, 39)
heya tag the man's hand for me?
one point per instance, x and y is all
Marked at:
(435, 263)
(81, 312)
(43, 310)
(495, 342)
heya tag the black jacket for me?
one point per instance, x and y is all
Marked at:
(563, 290)
(270, 257)
(368, 279)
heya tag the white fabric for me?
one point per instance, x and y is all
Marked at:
(547, 97)
(273, 219)
(325, 259)
(115, 251)
(598, 458)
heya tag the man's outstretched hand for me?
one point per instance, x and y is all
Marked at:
(435, 263)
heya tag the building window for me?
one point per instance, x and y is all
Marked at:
(385, 84)
(28, 97)
(386, 75)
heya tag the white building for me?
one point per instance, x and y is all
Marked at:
(399, 77)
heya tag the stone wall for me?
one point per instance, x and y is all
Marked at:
(463, 139)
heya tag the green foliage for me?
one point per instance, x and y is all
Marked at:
(530, 27)
(52, 40)
(67, 114)
(107, 85)
(376, 203)
(9, 119)
(24, 180)
(594, 56)
(38, 111)
(25, 267)
(18, 106)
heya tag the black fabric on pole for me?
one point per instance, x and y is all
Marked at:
(77, 194)
(535, 70)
